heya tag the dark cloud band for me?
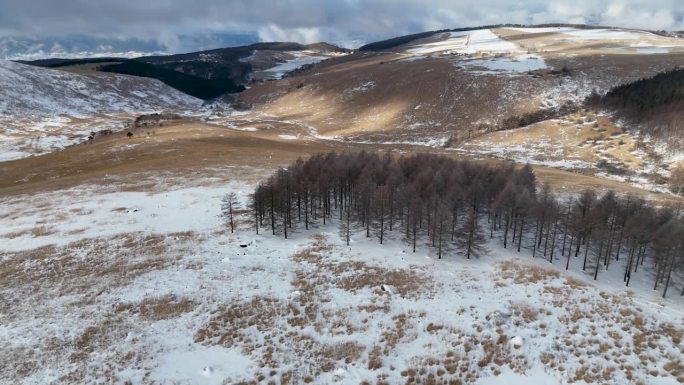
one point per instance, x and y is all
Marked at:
(174, 24)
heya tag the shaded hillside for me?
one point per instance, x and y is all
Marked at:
(197, 86)
(655, 105)
(58, 62)
(397, 41)
(204, 74)
(232, 62)
(192, 85)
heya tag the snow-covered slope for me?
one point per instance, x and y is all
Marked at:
(33, 91)
(299, 60)
(153, 288)
(613, 40)
(469, 42)
(452, 86)
(44, 109)
(271, 64)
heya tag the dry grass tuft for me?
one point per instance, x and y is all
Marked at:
(524, 311)
(575, 283)
(158, 308)
(671, 331)
(86, 266)
(233, 327)
(525, 274)
(43, 231)
(359, 276)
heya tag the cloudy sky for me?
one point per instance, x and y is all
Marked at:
(177, 26)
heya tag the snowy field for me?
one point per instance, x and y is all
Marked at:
(108, 287)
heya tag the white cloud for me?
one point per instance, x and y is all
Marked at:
(307, 35)
(619, 13)
(308, 21)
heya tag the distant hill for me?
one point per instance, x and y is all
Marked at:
(401, 40)
(204, 74)
(192, 85)
(45, 109)
(235, 63)
(196, 86)
(27, 91)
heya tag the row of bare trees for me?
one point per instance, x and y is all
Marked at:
(454, 205)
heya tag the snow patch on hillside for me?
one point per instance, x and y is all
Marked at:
(491, 52)
(517, 64)
(484, 40)
(541, 29)
(300, 59)
(602, 34)
(630, 41)
(468, 42)
(582, 34)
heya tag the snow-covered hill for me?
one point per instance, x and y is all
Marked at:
(450, 88)
(43, 109)
(520, 50)
(33, 91)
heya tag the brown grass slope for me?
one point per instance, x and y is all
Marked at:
(385, 97)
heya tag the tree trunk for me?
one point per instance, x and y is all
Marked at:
(415, 230)
(515, 227)
(506, 230)
(586, 252)
(391, 209)
(619, 245)
(639, 256)
(598, 260)
(256, 217)
(628, 267)
(441, 231)
(230, 209)
(306, 210)
(546, 241)
(553, 242)
(382, 221)
(285, 225)
(522, 226)
(669, 273)
(542, 223)
(272, 212)
(348, 224)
